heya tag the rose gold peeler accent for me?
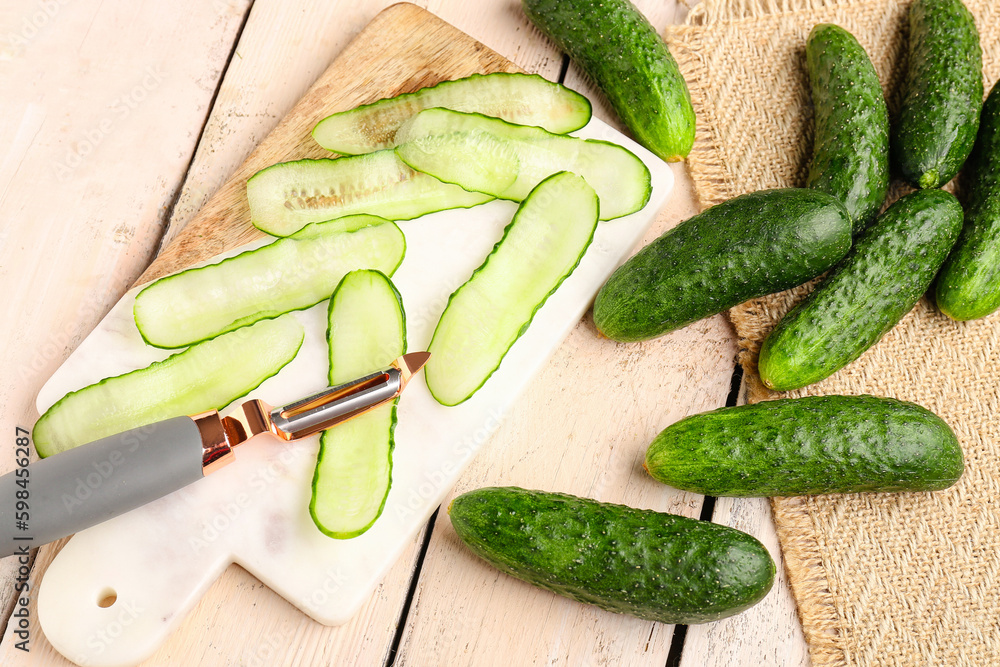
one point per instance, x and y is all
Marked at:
(220, 435)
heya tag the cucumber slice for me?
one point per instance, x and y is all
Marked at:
(207, 376)
(541, 246)
(525, 99)
(286, 197)
(289, 274)
(367, 331)
(448, 145)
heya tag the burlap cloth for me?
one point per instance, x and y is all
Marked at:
(897, 579)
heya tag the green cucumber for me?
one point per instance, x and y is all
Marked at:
(618, 48)
(749, 246)
(942, 93)
(889, 268)
(505, 160)
(367, 331)
(851, 140)
(286, 197)
(810, 445)
(525, 99)
(542, 245)
(288, 274)
(656, 566)
(968, 286)
(207, 376)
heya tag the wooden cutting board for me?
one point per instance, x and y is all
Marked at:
(431, 51)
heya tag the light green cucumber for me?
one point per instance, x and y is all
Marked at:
(206, 376)
(542, 245)
(507, 161)
(289, 274)
(810, 445)
(656, 566)
(367, 331)
(286, 197)
(525, 99)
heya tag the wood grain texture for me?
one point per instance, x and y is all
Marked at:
(579, 428)
(92, 147)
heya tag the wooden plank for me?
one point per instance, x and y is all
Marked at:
(218, 628)
(768, 633)
(582, 428)
(100, 121)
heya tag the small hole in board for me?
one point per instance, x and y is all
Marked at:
(107, 598)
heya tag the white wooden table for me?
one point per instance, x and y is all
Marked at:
(118, 119)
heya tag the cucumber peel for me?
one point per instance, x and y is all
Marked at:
(287, 196)
(525, 99)
(507, 161)
(542, 245)
(367, 331)
(207, 376)
(289, 274)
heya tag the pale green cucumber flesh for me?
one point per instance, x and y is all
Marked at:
(543, 244)
(207, 376)
(453, 146)
(287, 196)
(367, 331)
(289, 274)
(525, 99)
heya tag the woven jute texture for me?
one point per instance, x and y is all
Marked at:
(896, 579)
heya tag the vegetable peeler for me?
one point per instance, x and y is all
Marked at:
(97, 481)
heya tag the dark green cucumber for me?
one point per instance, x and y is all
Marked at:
(890, 266)
(851, 142)
(652, 565)
(943, 93)
(618, 48)
(800, 446)
(753, 245)
(968, 286)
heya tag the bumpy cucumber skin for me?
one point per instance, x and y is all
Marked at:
(652, 565)
(619, 49)
(968, 286)
(810, 445)
(890, 266)
(851, 145)
(943, 93)
(749, 246)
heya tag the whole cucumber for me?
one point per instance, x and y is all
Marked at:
(749, 246)
(943, 92)
(968, 286)
(851, 140)
(890, 266)
(652, 565)
(618, 48)
(815, 444)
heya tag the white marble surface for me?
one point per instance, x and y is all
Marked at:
(255, 511)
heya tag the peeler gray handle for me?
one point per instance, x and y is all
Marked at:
(92, 483)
